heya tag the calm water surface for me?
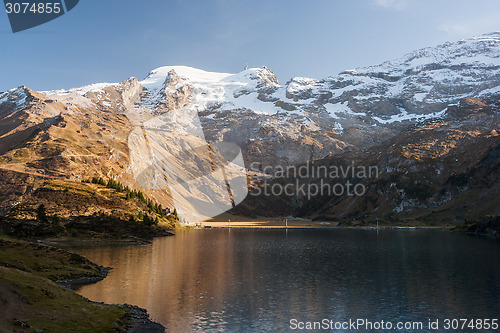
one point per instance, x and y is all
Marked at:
(257, 280)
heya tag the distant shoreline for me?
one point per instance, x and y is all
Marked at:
(487, 227)
(236, 226)
(240, 222)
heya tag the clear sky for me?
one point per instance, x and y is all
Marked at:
(111, 40)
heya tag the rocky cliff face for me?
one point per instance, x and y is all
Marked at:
(440, 170)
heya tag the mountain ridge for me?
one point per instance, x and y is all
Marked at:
(84, 132)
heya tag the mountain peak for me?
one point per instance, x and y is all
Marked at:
(17, 95)
(156, 78)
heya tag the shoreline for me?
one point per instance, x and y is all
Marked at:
(82, 281)
(279, 223)
(329, 228)
(26, 267)
(139, 318)
(97, 241)
(302, 224)
(227, 220)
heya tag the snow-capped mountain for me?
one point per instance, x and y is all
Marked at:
(309, 118)
(304, 118)
(429, 78)
(67, 132)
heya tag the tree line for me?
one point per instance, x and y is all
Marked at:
(129, 193)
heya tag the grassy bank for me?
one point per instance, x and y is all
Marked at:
(32, 301)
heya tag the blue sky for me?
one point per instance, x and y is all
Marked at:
(111, 40)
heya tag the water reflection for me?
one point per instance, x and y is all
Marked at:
(248, 280)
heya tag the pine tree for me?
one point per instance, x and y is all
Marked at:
(41, 215)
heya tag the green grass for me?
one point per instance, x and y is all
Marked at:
(41, 305)
(30, 300)
(45, 261)
(74, 187)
